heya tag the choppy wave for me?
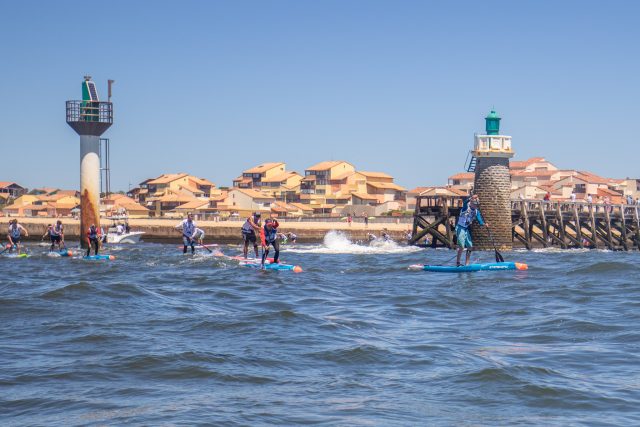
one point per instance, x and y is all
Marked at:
(337, 242)
(157, 338)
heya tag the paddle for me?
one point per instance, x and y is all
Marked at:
(499, 257)
(210, 251)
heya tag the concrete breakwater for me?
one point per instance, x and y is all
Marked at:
(219, 231)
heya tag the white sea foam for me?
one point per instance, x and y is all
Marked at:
(336, 242)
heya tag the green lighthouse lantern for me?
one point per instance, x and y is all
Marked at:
(492, 123)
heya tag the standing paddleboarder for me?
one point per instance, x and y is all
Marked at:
(271, 239)
(94, 235)
(188, 228)
(15, 235)
(56, 234)
(468, 214)
(249, 229)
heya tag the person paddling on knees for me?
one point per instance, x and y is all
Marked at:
(188, 227)
(15, 234)
(468, 214)
(249, 229)
(271, 239)
(93, 238)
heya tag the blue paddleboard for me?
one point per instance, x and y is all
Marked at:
(272, 266)
(492, 266)
(97, 257)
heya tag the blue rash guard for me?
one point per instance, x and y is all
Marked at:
(468, 214)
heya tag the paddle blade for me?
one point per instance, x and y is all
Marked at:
(499, 257)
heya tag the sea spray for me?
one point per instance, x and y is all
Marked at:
(337, 242)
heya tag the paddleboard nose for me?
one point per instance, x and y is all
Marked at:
(521, 266)
(297, 269)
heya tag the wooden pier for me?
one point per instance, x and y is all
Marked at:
(536, 223)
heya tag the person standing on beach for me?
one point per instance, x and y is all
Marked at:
(15, 235)
(468, 215)
(188, 228)
(249, 229)
(349, 219)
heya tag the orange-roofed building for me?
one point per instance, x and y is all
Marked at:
(284, 186)
(12, 189)
(119, 204)
(305, 209)
(462, 180)
(614, 197)
(244, 201)
(253, 177)
(532, 164)
(386, 191)
(168, 191)
(325, 180)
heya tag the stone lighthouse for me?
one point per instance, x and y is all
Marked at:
(90, 118)
(492, 183)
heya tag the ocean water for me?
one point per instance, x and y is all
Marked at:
(158, 338)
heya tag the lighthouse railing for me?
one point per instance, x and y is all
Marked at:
(89, 111)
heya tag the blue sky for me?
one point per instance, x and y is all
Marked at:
(215, 87)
